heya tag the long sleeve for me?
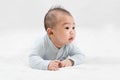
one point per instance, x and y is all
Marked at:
(36, 60)
(43, 51)
(76, 55)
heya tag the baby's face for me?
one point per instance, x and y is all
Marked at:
(64, 31)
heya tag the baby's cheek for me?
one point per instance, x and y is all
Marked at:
(67, 34)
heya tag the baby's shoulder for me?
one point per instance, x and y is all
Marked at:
(39, 41)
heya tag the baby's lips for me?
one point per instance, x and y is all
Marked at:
(71, 38)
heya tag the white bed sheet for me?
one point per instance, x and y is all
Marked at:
(17, 68)
(14, 51)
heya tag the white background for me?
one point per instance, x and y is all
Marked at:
(98, 35)
(97, 21)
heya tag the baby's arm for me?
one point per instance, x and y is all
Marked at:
(75, 55)
(36, 60)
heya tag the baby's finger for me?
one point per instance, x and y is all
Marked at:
(54, 68)
(62, 64)
(57, 61)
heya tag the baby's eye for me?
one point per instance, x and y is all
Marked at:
(66, 27)
(73, 28)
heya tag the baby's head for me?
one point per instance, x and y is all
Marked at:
(60, 26)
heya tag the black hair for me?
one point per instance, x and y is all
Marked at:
(50, 18)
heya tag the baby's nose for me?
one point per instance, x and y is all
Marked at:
(72, 32)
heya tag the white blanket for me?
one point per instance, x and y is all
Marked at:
(14, 51)
(16, 68)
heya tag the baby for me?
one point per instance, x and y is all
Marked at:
(56, 49)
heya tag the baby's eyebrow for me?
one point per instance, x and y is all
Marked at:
(67, 23)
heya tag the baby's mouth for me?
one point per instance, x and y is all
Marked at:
(70, 39)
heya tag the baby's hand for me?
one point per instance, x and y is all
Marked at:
(66, 63)
(54, 65)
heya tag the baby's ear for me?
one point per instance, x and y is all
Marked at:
(49, 31)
